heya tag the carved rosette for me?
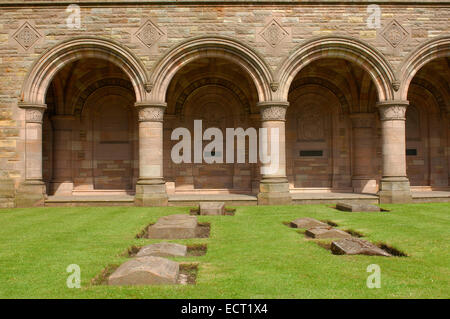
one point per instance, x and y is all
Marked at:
(393, 110)
(34, 113)
(273, 111)
(151, 112)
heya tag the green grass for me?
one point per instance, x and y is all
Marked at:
(250, 255)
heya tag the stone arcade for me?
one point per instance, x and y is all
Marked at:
(90, 111)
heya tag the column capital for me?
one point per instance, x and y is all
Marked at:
(362, 120)
(392, 110)
(34, 113)
(273, 110)
(151, 111)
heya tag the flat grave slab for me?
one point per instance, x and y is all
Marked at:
(174, 227)
(329, 232)
(148, 270)
(163, 250)
(307, 223)
(353, 207)
(356, 246)
(212, 208)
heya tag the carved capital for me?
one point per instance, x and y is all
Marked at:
(392, 110)
(273, 111)
(34, 113)
(151, 112)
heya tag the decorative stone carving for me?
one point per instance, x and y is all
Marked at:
(392, 110)
(34, 113)
(273, 112)
(149, 33)
(311, 124)
(274, 86)
(394, 33)
(273, 33)
(26, 36)
(151, 113)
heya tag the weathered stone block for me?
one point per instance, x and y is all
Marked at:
(212, 208)
(174, 227)
(147, 270)
(327, 233)
(355, 207)
(356, 246)
(308, 223)
(163, 250)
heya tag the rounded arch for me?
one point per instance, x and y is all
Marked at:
(341, 47)
(55, 58)
(426, 52)
(208, 47)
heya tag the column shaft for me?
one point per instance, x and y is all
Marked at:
(274, 186)
(394, 186)
(151, 188)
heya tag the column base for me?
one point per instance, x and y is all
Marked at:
(7, 192)
(151, 193)
(30, 194)
(364, 185)
(274, 192)
(395, 190)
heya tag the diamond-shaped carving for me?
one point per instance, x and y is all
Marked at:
(26, 36)
(273, 33)
(149, 33)
(394, 33)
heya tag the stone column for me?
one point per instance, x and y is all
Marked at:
(151, 188)
(363, 153)
(31, 192)
(394, 187)
(274, 186)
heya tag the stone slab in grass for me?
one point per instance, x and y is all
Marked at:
(307, 223)
(356, 246)
(148, 270)
(353, 207)
(329, 232)
(212, 208)
(163, 250)
(174, 227)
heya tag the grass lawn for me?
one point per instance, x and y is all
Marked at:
(250, 255)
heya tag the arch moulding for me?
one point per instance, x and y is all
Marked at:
(55, 58)
(341, 47)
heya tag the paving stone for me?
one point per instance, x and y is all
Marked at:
(148, 270)
(330, 232)
(174, 227)
(353, 207)
(212, 208)
(308, 223)
(356, 246)
(163, 250)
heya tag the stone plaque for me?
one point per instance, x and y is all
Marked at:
(351, 207)
(356, 246)
(163, 250)
(174, 227)
(212, 208)
(147, 270)
(329, 232)
(307, 223)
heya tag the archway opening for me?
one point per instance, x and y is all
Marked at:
(90, 141)
(222, 95)
(331, 129)
(427, 127)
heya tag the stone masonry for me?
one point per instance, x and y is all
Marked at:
(90, 95)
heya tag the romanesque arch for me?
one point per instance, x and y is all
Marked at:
(425, 53)
(339, 47)
(210, 47)
(54, 59)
